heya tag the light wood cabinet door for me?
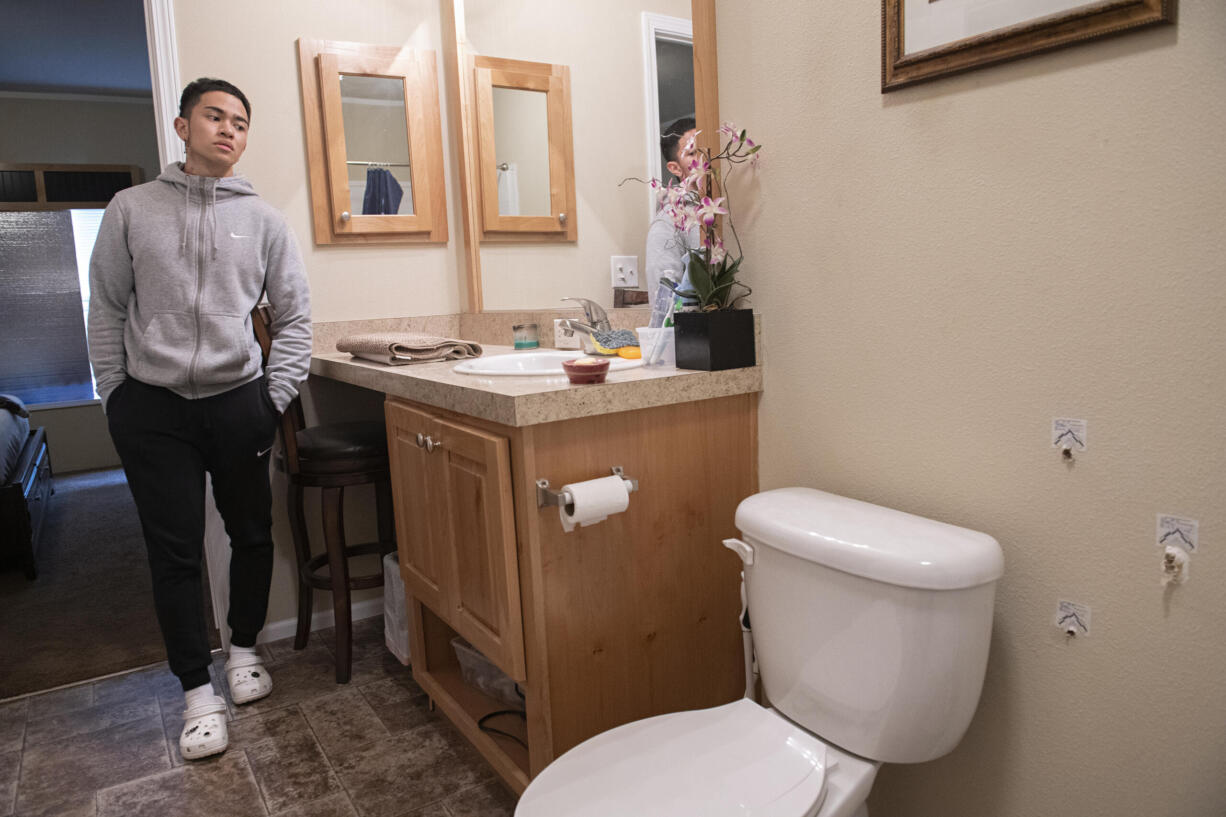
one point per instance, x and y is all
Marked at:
(425, 563)
(479, 524)
(455, 525)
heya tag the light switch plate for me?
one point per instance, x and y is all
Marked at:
(624, 270)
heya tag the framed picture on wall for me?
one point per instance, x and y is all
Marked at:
(926, 39)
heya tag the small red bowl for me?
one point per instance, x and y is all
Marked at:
(586, 370)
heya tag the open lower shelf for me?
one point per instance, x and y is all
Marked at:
(440, 677)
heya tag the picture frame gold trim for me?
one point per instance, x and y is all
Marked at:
(899, 70)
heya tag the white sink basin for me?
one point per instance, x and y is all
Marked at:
(542, 363)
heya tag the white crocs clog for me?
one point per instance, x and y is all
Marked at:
(248, 679)
(204, 729)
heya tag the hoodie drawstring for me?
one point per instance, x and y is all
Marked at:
(187, 207)
(210, 213)
(213, 218)
(208, 191)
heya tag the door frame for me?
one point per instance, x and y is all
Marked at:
(164, 74)
(658, 27)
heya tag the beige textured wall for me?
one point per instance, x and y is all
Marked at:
(601, 42)
(252, 45)
(76, 131)
(942, 270)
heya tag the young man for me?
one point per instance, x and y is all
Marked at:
(666, 250)
(178, 266)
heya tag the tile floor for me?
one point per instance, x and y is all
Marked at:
(369, 748)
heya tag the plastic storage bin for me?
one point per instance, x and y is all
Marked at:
(395, 612)
(477, 671)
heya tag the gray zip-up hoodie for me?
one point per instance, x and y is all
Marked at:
(178, 266)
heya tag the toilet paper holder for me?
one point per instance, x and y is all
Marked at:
(546, 497)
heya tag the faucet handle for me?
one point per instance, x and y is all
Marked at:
(593, 312)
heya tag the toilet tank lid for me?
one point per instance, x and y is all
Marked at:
(870, 541)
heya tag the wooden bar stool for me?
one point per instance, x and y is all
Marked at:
(331, 457)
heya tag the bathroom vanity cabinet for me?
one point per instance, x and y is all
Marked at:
(631, 617)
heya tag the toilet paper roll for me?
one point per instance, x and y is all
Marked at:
(593, 500)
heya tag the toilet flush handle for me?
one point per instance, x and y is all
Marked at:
(742, 549)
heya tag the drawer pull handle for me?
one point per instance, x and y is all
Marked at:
(432, 445)
(421, 440)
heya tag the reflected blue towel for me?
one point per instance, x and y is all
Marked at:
(383, 193)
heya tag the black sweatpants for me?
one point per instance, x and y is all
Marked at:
(167, 443)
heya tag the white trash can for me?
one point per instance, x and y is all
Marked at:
(395, 611)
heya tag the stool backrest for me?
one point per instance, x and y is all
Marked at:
(292, 420)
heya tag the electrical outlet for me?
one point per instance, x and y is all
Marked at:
(625, 270)
(560, 341)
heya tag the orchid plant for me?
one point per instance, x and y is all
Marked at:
(699, 200)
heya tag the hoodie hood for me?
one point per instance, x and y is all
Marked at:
(204, 192)
(227, 186)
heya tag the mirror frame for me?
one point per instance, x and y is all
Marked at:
(458, 65)
(554, 81)
(321, 62)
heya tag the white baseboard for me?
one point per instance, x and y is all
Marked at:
(320, 620)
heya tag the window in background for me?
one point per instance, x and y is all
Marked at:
(44, 295)
(85, 224)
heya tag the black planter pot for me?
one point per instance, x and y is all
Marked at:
(714, 340)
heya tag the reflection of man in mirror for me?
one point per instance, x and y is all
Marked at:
(666, 248)
(179, 264)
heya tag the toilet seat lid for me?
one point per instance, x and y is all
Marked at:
(735, 760)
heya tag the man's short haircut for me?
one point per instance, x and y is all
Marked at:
(670, 141)
(197, 89)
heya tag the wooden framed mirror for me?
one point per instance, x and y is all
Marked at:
(525, 150)
(493, 265)
(374, 143)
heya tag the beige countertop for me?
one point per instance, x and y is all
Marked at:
(524, 401)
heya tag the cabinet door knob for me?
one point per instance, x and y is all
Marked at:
(431, 445)
(345, 216)
(421, 440)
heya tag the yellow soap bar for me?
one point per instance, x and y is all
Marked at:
(630, 352)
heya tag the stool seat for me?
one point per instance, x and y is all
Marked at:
(339, 448)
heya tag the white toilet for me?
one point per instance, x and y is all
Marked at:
(871, 628)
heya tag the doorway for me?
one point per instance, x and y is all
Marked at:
(80, 80)
(668, 62)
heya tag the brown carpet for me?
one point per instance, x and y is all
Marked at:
(90, 611)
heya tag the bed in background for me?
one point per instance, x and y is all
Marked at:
(25, 485)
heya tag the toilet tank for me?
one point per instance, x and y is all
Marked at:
(871, 625)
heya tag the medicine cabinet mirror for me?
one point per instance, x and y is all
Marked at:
(525, 153)
(374, 143)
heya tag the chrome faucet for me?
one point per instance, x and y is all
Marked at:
(597, 318)
(597, 321)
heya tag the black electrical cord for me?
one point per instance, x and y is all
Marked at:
(523, 716)
(481, 724)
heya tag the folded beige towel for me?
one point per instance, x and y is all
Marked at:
(397, 348)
